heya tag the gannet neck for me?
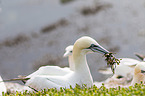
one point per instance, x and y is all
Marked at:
(81, 66)
(137, 70)
(80, 62)
(71, 64)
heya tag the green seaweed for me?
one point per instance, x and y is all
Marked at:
(112, 60)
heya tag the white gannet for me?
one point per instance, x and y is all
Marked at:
(68, 54)
(56, 70)
(2, 86)
(139, 73)
(81, 75)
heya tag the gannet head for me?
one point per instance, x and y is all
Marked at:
(68, 50)
(140, 68)
(139, 73)
(89, 45)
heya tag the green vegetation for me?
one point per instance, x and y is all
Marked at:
(111, 60)
(138, 89)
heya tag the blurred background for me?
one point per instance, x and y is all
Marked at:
(34, 33)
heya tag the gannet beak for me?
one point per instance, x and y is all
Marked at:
(140, 56)
(142, 71)
(98, 48)
(67, 53)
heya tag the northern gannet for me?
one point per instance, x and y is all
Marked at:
(81, 75)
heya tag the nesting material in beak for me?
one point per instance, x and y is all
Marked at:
(111, 60)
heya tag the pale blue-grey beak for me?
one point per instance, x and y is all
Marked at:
(98, 48)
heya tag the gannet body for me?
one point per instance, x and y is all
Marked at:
(81, 74)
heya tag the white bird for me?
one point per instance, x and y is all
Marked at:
(56, 70)
(81, 75)
(139, 73)
(2, 86)
(68, 54)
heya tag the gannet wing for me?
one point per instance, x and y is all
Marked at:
(41, 82)
(50, 70)
(129, 61)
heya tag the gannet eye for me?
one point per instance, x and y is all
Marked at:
(70, 51)
(119, 76)
(92, 45)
